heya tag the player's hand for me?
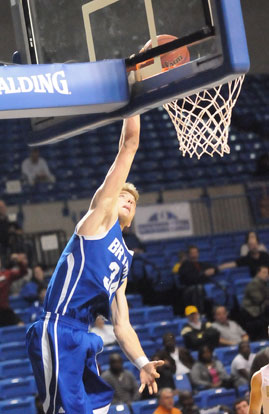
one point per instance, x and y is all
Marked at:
(148, 375)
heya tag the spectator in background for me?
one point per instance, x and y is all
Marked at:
(166, 402)
(8, 231)
(253, 260)
(186, 403)
(208, 372)
(255, 305)
(181, 356)
(241, 406)
(17, 285)
(230, 332)
(104, 330)
(241, 364)
(192, 271)
(121, 380)
(30, 291)
(7, 277)
(197, 332)
(182, 256)
(35, 169)
(192, 275)
(251, 235)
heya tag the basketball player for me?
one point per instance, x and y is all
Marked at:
(259, 394)
(90, 280)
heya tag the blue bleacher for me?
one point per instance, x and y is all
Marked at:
(18, 406)
(17, 387)
(119, 409)
(144, 407)
(213, 397)
(12, 333)
(15, 368)
(226, 354)
(134, 300)
(182, 382)
(12, 350)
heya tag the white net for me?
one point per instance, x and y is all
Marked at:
(202, 120)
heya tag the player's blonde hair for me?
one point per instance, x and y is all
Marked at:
(132, 189)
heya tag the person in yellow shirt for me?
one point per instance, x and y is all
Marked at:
(166, 402)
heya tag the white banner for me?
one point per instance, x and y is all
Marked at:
(163, 221)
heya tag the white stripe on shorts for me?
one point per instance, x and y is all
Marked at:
(56, 361)
(80, 271)
(70, 267)
(47, 361)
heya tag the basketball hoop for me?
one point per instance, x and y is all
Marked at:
(202, 120)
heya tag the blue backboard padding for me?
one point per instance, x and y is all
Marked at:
(234, 42)
(99, 87)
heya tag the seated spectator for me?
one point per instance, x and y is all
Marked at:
(7, 277)
(193, 274)
(17, 285)
(208, 372)
(186, 403)
(104, 330)
(8, 229)
(251, 235)
(182, 256)
(187, 406)
(197, 332)
(241, 364)
(192, 271)
(121, 380)
(255, 305)
(230, 332)
(166, 402)
(180, 355)
(253, 260)
(35, 311)
(30, 290)
(241, 406)
(35, 169)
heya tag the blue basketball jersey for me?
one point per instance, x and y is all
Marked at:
(87, 275)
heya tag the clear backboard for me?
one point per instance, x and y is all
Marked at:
(64, 31)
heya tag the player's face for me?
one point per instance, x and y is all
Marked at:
(127, 206)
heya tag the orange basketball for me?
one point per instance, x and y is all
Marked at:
(171, 59)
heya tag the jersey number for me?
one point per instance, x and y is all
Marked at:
(111, 286)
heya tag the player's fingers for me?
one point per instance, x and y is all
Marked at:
(155, 387)
(141, 388)
(158, 363)
(150, 389)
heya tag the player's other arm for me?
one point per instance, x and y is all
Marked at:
(129, 342)
(255, 402)
(103, 210)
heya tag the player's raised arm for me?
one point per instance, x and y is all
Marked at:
(103, 210)
(129, 342)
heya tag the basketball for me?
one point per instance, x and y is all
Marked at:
(170, 59)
